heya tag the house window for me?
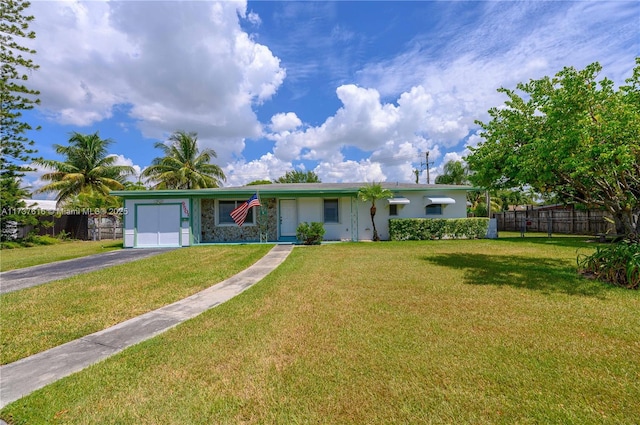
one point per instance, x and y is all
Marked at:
(433, 209)
(331, 211)
(224, 212)
(393, 209)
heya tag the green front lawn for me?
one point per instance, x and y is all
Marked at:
(42, 317)
(460, 332)
(18, 258)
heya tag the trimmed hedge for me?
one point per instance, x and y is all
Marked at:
(405, 229)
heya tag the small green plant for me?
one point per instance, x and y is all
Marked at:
(10, 245)
(618, 263)
(310, 233)
(30, 241)
(34, 240)
(64, 235)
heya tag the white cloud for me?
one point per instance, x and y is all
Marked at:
(393, 134)
(32, 181)
(350, 171)
(254, 18)
(452, 156)
(285, 122)
(121, 160)
(177, 65)
(267, 167)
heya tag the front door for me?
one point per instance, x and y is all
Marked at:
(288, 217)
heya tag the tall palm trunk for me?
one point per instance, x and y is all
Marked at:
(376, 237)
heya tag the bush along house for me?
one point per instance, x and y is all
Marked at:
(175, 218)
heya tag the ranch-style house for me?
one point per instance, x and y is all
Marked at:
(177, 218)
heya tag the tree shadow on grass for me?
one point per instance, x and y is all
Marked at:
(577, 242)
(544, 275)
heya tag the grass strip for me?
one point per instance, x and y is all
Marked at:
(45, 316)
(17, 258)
(464, 332)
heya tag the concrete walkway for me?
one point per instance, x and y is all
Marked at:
(14, 280)
(29, 374)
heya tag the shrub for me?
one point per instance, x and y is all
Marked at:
(402, 229)
(33, 240)
(310, 233)
(618, 263)
(64, 235)
(30, 241)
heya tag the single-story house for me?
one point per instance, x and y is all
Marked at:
(167, 218)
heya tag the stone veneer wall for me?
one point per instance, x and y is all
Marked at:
(213, 233)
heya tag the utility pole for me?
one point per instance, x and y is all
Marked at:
(428, 177)
(422, 166)
(427, 164)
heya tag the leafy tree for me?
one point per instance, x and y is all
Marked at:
(457, 173)
(99, 203)
(508, 198)
(477, 203)
(183, 165)
(371, 193)
(297, 176)
(87, 169)
(454, 172)
(258, 182)
(569, 135)
(15, 147)
(134, 185)
(11, 204)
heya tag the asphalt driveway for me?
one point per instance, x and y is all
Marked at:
(14, 280)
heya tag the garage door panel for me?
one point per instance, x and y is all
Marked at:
(169, 226)
(158, 225)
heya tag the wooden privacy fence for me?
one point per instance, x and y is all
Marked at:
(104, 227)
(567, 221)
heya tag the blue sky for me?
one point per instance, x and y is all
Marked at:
(352, 90)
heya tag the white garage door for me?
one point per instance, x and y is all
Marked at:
(158, 225)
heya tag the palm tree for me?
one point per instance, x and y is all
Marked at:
(183, 165)
(372, 192)
(88, 169)
(454, 172)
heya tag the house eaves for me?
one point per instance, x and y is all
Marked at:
(282, 190)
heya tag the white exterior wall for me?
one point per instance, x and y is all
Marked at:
(309, 209)
(130, 219)
(312, 209)
(415, 209)
(354, 217)
(340, 231)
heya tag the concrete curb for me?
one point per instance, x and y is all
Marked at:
(29, 374)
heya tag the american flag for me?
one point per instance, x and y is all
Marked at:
(240, 213)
